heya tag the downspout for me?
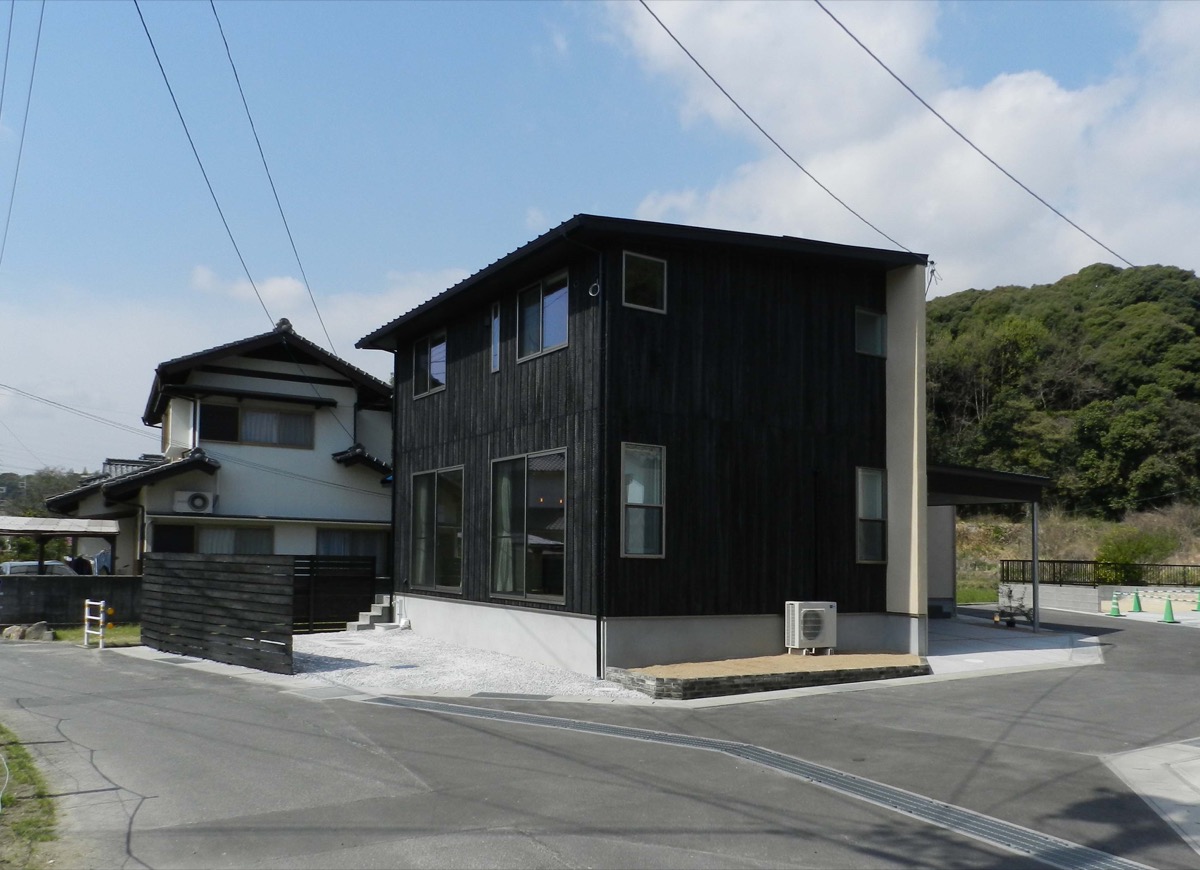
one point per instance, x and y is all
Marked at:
(602, 566)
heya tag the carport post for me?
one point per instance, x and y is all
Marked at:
(1034, 575)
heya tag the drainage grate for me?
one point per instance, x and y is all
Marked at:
(1049, 850)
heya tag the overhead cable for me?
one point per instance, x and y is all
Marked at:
(769, 137)
(200, 163)
(963, 136)
(12, 193)
(270, 179)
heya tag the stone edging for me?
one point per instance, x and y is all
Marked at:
(689, 688)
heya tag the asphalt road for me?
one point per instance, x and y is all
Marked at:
(163, 766)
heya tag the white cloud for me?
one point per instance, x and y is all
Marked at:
(1118, 157)
(275, 292)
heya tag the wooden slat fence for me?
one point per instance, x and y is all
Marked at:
(331, 591)
(232, 609)
(1082, 573)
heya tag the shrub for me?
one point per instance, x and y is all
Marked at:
(1125, 549)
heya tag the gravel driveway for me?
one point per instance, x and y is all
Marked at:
(403, 663)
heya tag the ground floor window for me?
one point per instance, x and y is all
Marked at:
(642, 505)
(214, 540)
(872, 515)
(529, 525)
(437, 528)
(354, 542)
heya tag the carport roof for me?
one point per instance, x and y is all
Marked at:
(958, 484)
(50, 527)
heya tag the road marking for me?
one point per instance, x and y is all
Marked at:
(1049, 850)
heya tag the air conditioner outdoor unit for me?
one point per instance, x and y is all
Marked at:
(194, 502)
(810, 624)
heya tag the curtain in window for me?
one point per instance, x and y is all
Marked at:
(217, 540)
(508, 526)
(333, 542)
(422, 530)
(295, 430)
(254, 542)
(260, 427)
(448, 562)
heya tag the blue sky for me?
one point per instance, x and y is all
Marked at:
(413, 143)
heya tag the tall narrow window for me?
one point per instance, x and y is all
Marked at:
(644, 282)
(872, 515)
(542, 316)
(437, 525)
(642, 505)
(870, 332)
(495, 336)
(529, 525)
(429, 364)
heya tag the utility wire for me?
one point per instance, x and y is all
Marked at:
(270, 179)
(963, 136)
(769, 137)
(12, 193)
(7, 47)
(200, 163)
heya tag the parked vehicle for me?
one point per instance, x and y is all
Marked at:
(52, 566)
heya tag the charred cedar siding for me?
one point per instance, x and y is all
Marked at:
(752, 383)
(543, 403)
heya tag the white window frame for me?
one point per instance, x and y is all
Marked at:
(525, 595)
(625, 255)
(430, 342)
(553, 280)
(661, 505)
(882, 321)
(859, 519)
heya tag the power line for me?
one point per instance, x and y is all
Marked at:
(200, 163)
(7, 47)
(270, 179)
(963, 136)
(769, 137)
(12, 193)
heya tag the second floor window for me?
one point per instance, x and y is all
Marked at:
(870, 332)
(542, 317)
(429, 364)
(238, 425)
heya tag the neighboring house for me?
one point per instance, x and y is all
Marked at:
(629, 443)
(270, 445)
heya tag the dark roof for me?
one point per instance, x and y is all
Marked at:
(280, 343)
(585, 230)
(124, 485)
(358, 455)
(959, 484)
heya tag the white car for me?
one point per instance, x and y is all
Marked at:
(52, 566)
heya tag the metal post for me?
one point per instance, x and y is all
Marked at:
(1037, 616)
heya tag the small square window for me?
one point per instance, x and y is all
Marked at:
(870, 332)
(542, 316)
(644, 282)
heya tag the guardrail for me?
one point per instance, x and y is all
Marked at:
(1059, 572)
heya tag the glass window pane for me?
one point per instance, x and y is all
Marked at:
(508, 527)
(872, 541)
(645, 282)
(554, 313)
(295, 430)
(254, 542)
(218, 422)
(437, 362)
(422, 520)
(546, 514)
(216, 540)
(869, 329)
(871, 496)
(496, 337)
(643, 531)
(529, 322)
(421, 367)
(642, 474)
(448, 557)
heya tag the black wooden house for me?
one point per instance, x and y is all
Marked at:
(629, 443)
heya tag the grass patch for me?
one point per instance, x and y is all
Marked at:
(977, 590)
(26, 812)
(119, 635)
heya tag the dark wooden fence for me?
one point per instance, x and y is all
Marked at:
(331, 590)
(242, 610)
(1081, 573)
(58, 599)
(232, 609)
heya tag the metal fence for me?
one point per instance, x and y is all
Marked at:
(1055, 572)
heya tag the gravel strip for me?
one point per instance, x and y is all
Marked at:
(403, 663)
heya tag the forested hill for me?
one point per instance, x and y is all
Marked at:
(1093, 381)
